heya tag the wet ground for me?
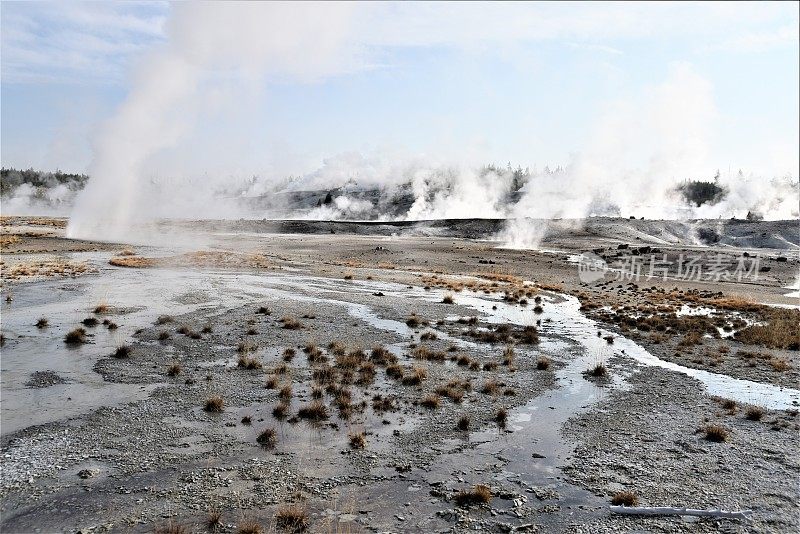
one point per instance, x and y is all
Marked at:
(101, 443)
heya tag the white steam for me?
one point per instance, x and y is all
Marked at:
(217, 57)
(211, 48)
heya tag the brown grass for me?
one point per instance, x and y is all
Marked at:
(625, 498)
(290, 323)
(543, 363)
(75, 337)
(754, 413)
(174, 369)
(132, 261)
(598, 371)
(249, 526)
(214, 404)
(315, 411)
(716, 433)
(280, 411)
(267, 438)
(479, 494)
(42, 323)
(448, 299)
(292, 517)
(357, 440)
(285, 392)
(463, 423)
(248, 362)
(431, 401)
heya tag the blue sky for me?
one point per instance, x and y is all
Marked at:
(530, 84)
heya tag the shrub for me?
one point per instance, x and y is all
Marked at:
(448, 299)
(174, 369)
(90, 321)
(501, 416)
(214, 519)
(543, 363)
(42, 323)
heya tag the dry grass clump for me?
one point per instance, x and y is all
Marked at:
(358, 440)
(249, 526)
(780, 364)
(426, 354)
(263, 310)
(394, 371)
(285, 393)
(214, 404)
(490, 366)
(754, 413)
(280, 411)
(290, 323)
(413, 321)
(174, 369)
(292, 517)
(508, 356)
(490, 387)
(448, 299)
(132, 261)
(42, 323)
(501, 416)
(75, 337)
(417, 375)
(245, 347)
(248, 362)
(598, 371)
(315, 411)
(90, 321)
(267, 438)
(716, 433)
(625, 498)
(778, 332)
(529, 335)
(214, 520)
(479, 494)
(382, 356)
(163, 335)
(427, 336)
(164, 319)
(543, 363)
(463, 423)
(289, 354)
(272, 382)
(431, 401)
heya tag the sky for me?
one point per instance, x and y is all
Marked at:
(275, 89)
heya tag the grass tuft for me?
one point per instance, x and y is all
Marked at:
(214, 404)
(479, 494)
(625, 498)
